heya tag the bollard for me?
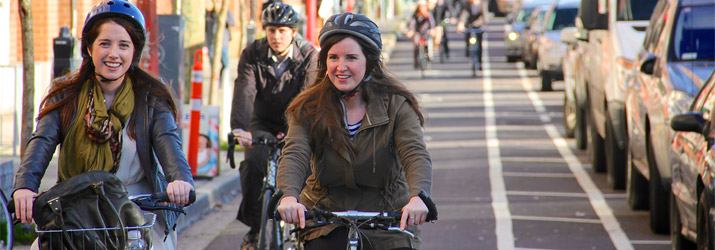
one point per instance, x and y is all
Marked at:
(196, 85)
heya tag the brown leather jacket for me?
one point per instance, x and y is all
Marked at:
(393, 165)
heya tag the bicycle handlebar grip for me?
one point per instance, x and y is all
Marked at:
(164, 197)
(432, 214)
(231, 147)
(11, 206)
(271, 209)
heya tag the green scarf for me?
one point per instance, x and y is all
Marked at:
(95, 142)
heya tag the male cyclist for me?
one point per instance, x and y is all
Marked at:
(441, 11)
(474, 16)
(271, 72)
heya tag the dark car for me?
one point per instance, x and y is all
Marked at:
(678, 53)
(514, 32)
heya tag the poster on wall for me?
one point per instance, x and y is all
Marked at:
(207, 159)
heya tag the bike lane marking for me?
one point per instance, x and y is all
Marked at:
(500, 203)
(596, 198)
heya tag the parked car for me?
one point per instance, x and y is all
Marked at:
(532, 30)
(693, 170)
(549, 49)
(515, 30)
(615, 35)
(574, 89)
(678, 53)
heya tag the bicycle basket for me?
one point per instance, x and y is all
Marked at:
(94, 238)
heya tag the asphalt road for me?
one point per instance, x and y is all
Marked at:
(504, 175)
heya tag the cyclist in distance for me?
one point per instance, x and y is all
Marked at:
(271, 72)
(356, 134)
(441, 11)
(472, 15)
(111, 115)
(421, 25)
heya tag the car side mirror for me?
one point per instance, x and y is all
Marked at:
(648, 64)
(688, 122)
(568, 35)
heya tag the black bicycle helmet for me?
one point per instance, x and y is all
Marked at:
(354, 24)
(280, 14)
(121, 9)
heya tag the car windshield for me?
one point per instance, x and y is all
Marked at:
(694, 34)
(632, 10)
(562, 18)
(524, 14)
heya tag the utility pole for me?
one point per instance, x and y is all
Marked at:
(28, 77)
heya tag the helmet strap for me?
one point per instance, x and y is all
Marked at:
(354, 92)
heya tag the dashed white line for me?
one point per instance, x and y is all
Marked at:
(610, 223)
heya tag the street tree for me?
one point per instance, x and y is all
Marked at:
(28, 77)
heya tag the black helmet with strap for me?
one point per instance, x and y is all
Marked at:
(121, 9)
(280, 14)
(354, 24)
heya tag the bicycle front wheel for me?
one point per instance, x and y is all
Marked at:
(268, 235)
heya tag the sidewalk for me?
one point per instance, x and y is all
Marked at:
(219, 190)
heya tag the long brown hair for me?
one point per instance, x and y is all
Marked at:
(64, 92)
(320, 102)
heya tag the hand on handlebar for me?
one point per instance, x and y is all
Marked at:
(414, 213)
(244, 138)
(178, 192)
(23, 204)
(460, 27)
(291, 211)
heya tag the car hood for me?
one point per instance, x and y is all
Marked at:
(689, 76)
(629, 39)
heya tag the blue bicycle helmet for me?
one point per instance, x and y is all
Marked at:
(354, 24)
(121, 9)
(279, 14)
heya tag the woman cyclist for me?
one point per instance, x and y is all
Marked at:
(110, 115)
(421, 25)
(358, 131)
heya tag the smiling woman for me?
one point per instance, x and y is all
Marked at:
(91, 114)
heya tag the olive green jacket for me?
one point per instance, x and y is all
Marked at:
(391, 166)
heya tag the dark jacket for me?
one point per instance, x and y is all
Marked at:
(392, 165)
(473, 15)
(421, 25)
(260, 98)
(157, 139)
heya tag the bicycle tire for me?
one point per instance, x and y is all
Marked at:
(423, 61)
(267, 233)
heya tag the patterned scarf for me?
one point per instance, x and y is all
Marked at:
(95, 142)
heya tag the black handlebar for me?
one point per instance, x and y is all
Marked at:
(396, 215)
(164, 197)
(261, 140)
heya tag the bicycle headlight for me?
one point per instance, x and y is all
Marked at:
(472, 40)
(678, 102)
(513, 35)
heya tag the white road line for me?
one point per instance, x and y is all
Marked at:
(556, 219)
(538, 175)
(598, 202)
(500, 204)
(650, 242)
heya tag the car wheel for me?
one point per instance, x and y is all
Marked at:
(615, 158)
(704, 227)
(658, 195)
(676, 238)
(545, 81)
(533, 61)
(636, 185)
(595, 150)
(570, 117)
(580, 131)
(512, 58)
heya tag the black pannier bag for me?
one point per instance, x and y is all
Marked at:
(94, 202)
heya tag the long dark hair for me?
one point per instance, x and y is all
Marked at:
(64, 91)
(320, 102)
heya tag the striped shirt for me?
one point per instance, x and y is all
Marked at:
(353, 128)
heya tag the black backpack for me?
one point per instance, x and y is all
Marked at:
(92, 200)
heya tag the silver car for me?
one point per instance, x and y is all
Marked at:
(515, 30)
(550, 48)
